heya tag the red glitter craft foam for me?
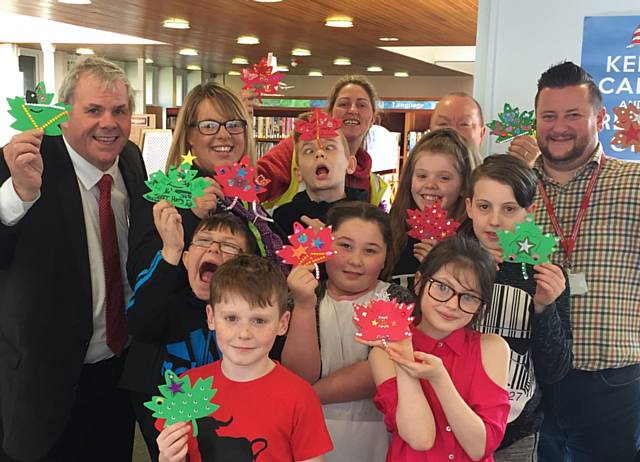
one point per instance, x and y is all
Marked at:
(383, 320)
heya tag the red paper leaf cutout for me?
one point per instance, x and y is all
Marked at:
(432, 223)
(262, 78)
(238, 181)
(628, 119)
(383, 319)
(308, 247)
(318, 125)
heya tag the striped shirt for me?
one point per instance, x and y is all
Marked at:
(606, 320)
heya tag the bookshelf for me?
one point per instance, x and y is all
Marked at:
(408, 117)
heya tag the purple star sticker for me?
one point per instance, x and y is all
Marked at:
(175, 387)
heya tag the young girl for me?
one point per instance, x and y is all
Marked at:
(531, 314)
(442, 391)
(320, 346)
(438, 168)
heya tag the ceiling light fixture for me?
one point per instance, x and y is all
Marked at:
(75, 2)
(248, 40)
(148, 61)
(374, 69)
(193, 67)
(188, 52)
(339, 21)
(282, 69)
(233, 73)
(342, 62)
(388, 39)
(84, 51)
(239, 60)
(401, 74)
(176, 23)
(301, 52)
(315, 74)
(267, 1)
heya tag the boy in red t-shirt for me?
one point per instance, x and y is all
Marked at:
(266, 412)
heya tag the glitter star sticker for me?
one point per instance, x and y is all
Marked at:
(188, 158)
(525, 246)
(175, 387)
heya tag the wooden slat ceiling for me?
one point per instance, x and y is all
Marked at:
(215, 25)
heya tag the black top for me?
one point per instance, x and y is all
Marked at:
(287, 214)
(406, 266)
(541, 344)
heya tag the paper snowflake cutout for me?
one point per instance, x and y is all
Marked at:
(383, 319)
(308, 247)
(37, 111)
(238, 181)
(628, 121)
(431, 223)
(511, 123)
(179, 186)
(262, 78)
(527, 245)
(180, 402)
(318, 125)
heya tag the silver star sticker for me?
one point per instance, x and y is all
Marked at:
(524, 246)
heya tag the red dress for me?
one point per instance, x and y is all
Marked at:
(460, 353)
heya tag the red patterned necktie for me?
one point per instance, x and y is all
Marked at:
(116, 321)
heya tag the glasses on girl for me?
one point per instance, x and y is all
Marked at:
(441, 292)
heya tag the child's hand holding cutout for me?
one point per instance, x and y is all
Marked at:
(172, 442)
(169, 225)
(550, 282)
(302, 283)
(209, 201)
(422, 248)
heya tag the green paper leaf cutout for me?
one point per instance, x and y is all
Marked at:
(527, 244)
(180, 402)
(42, 114)
(511, 123)
(179, 186)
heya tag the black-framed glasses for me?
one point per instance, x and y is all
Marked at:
(225, 247)
(441, 292)
(211, 127)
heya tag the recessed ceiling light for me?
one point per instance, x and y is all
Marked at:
(301, 52)
(233, 73)
(401, 74)
(188, 52)
(342, 62)
(315, 74)
(84, 51)
(388, 39)
(282, 69)
(239, 60)
(176, 23)
(193, 67)
(374, 69)
(75, 2)
(248, 40)
(148, 61)
(339, 21)
(267, 1)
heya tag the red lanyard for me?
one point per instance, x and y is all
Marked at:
(570, 244)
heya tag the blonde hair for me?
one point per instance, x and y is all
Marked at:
(225, 101)
(444, 141)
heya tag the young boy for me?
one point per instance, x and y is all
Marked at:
(322, 165)
(166, 317)
(264, 409)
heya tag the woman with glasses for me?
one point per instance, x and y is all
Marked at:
(213, 126)
(443, 391)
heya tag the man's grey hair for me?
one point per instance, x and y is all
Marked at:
(107, 72)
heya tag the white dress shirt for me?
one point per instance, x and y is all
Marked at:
(12, 209)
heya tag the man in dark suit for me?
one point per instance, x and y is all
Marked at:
(64, 213)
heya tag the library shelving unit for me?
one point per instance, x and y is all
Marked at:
(407, 117)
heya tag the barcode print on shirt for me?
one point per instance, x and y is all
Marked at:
(521, 383)
(508, 315)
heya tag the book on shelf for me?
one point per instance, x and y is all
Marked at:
(413, 138)
(272, 127)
